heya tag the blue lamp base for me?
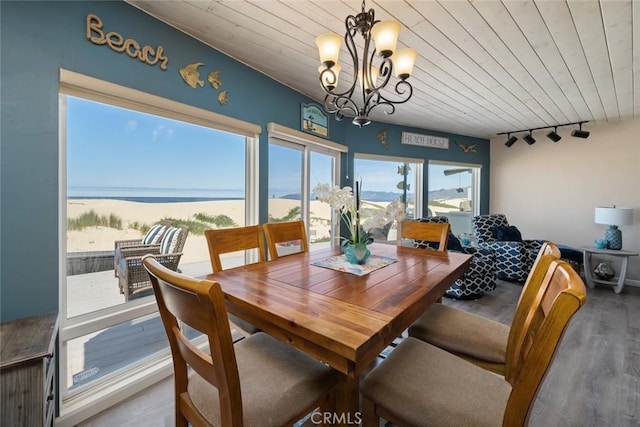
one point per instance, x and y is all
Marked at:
(614, 237)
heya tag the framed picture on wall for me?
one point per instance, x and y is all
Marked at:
(314, 120)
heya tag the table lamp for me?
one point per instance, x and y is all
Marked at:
(613, 217)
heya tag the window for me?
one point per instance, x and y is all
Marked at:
(454, 192)
(131, 160)
(297, 163)
(385, 179)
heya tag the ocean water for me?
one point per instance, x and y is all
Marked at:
(153, 195)
(145, 199)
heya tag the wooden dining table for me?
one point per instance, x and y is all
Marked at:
(342, 319)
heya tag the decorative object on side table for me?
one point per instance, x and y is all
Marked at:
(357, 218)
(592, 256)
(613, 217)
(604, 271)
(601, 243)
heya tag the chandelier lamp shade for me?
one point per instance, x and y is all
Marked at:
(553, 135)
(613, 217)
(372, 68)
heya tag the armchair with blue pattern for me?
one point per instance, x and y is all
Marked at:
(481, 275)
(514, 256)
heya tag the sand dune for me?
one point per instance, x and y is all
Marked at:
(103, 238)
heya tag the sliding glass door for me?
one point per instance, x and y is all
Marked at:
(385, 179)
(297, 163)
(125, 171)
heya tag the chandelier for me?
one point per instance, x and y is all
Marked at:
(370, 73)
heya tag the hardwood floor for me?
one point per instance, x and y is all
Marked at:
(594, 380)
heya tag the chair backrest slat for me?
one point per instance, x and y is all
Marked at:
(548, 253)
(200, 305)
(425, 231)
(554, 306)
(226, 240)
(280, 232)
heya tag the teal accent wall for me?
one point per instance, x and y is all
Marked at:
(39, 38)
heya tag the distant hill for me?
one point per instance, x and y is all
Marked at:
(390, 196)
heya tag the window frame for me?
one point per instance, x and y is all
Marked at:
(419, 172)
(476, 173)
(78, 404)
(307, 143)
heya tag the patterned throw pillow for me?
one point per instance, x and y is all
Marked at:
(170, 240)
(507, 233)
(154, 235)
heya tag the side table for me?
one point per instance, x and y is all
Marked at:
(617, 282)
(27, 367)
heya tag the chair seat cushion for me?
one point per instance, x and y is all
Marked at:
(422, 385)
(462, 332)
(277, 382)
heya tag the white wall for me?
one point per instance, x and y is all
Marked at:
(549, 190)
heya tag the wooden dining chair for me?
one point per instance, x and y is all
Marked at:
(260, 381)
(426, 232)
(226, 240)
(419, 384)
(477, 339)
(285, 234)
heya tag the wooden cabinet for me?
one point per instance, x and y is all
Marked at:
(27, 371)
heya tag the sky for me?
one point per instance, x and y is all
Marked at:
(125, 152)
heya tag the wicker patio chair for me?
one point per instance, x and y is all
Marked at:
(153, 237)
(132, 277)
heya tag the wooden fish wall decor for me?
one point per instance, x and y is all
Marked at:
(191, 76)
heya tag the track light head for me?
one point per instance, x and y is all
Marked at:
(512, 140)
(553, 135)
(529, 139)
(579, 133)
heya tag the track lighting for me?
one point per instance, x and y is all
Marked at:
(553, 135)
(529, 139)
(579, 133)
(512, 140)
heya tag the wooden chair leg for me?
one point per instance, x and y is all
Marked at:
(328, 405)
(369, 416)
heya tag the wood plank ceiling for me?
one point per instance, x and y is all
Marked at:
(483, 67)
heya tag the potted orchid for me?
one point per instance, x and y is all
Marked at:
(358, 216)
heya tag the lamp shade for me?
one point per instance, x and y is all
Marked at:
(385, 36)
(330, 78)
(403, 61)
(329, 48)
(614, 216)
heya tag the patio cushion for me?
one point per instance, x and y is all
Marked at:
(154, 235)
(170, 240)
